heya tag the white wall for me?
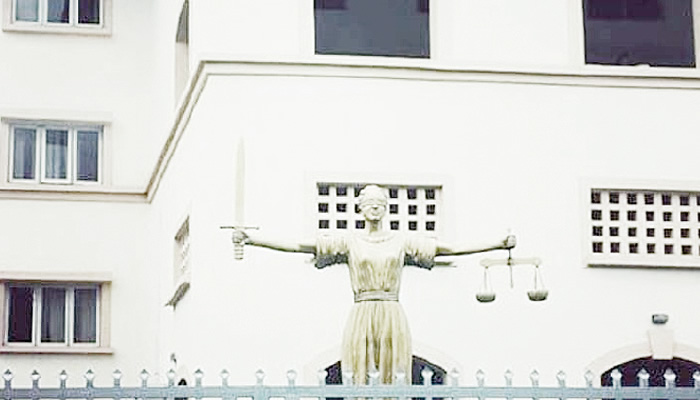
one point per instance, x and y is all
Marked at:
(514, 157)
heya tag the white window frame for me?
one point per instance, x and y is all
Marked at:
(10, 23)
(36, 317)
(40, 154)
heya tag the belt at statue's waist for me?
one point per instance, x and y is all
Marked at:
(376, 295)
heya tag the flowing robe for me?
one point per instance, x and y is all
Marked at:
(376, 337)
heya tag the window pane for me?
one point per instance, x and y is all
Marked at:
(85, 312)
(24, 154)
(56, 154)
(20, 315)
(87, 156)
(89, 11)
(372, 27)
(27, 10)
(58, 11)
(53, 315)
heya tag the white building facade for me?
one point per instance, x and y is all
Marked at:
(120, 164)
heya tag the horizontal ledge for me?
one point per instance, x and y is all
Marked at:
(56, 276)
(55, 350)
(71, 193)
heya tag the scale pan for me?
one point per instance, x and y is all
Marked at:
(486, 297)
(538, 294)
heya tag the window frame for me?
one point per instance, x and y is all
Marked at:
(40, 129)
(69, 344)
(104, 27)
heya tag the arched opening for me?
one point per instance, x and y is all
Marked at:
(683, 369)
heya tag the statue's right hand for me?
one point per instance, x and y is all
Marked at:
(239, 236)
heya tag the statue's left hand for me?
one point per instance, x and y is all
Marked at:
(509, 242)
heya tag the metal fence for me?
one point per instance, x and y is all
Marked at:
(399, 391)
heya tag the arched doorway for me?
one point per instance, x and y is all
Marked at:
(683, 369)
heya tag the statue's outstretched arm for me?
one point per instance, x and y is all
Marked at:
(451, 250)
(256, 239)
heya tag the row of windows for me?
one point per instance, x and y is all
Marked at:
(651, 248)
(618, 32)
(649, 216)
(55, 153)
(51, 315)
(667, 233)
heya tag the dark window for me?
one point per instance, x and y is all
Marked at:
(634, 248)
(615, 247)
(89, 11)
(323, 224)
(631, 215)
(394, 193)
(412, 209)
(412, 193)
(629, 32)
(341, 224)
(614, 197)
(341, 191)
(649, 198)
(341, 207)
(685, 216)
(430, 194)
(685, 233)
(685, 200)
(668, 216)
(666, 199)
(393, 208)
(20, 314)
(668, 249)
(650, 232)
(614, 231)
(430, 225)
(631, 198)
(668, 233)
(686, 250)
(323, 207)
(651, 248)
(650, 215)
(597, 231)
(595, 197)
(614, 215)
(359, 224)
(597, 215)
(631, 232)
(430, 209)
(323, 190)
(372, 27)
(597, 247)
(412, 225)
(394, 225)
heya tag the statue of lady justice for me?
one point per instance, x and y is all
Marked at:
(376, 337)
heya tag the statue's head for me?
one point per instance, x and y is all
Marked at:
(373, 201)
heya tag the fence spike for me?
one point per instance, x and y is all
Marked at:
(291, 377)
(7, 375)
(508, 375)
(670, 378)
(117, 376)
(480, 376)
(561, 378)
(616, 376)
(454, 377)
(198, 375)
(89, 377)
(347, 377)
(427, 375)
(322, 374)
(535, 378)
(373, 377)
(35, 378)
(224, 377)
(259, 377)
(171, 377)
(144, 377)
(696, 379)
(643, 377)
(588, 376)
(400, 377)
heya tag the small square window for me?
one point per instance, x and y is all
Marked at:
(685, 200)
(323, 190)
(357, 209)
(668, 249)
(631, 232)
(614, 231)
(614, 247)
(359, 224)
(631, 215)
(634, 248)
(341, 224)
(429, 225)
(430, 194)
(341, 207)
(393, 193)
(597, 231)
(412, 209)
(631, 198)
(666, 199)
(649, 198)
(614, 215)
(614, 197)
(595, 197)
(430, 209)
(650, 215)
(651, 248)
(323, 224)
(596, 215)
(341, 191)
(393, 208)
(668, 216)
(394, 225)
(412, 193)
(668, 233)
(685, 233)
(412, 225)
(323, 207)
(686, 250)
(597, 247)
(685, 216)
(650, 232)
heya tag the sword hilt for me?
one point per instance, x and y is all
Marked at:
(238, 247)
